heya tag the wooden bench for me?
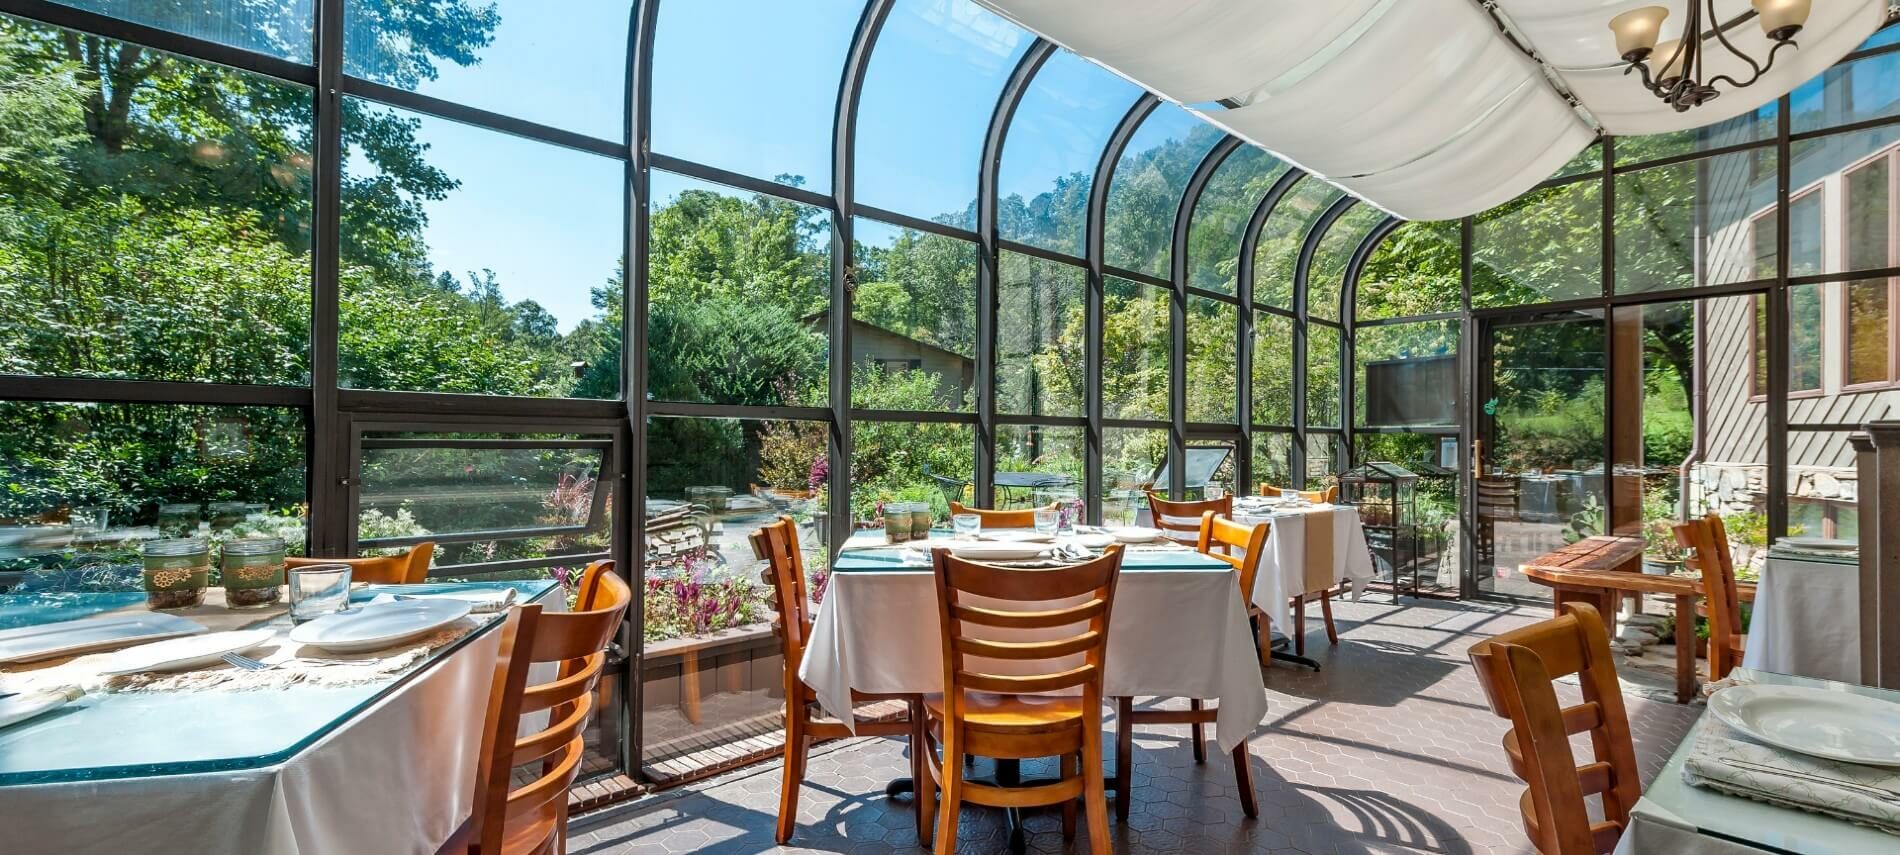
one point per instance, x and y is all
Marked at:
(1601, 570)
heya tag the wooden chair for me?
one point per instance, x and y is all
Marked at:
(531, 819)
(1709, 538)
(1215, 533)
(777, 544)
(409, 568)
(1025, 518)
(1317, 497)
(1181, 521)
(1517, 670)
(1014, 716)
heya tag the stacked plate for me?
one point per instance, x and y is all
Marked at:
(380, 625)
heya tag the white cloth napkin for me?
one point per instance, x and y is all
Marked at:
(1727, 761)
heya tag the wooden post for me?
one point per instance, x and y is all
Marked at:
(1626, 427)
(1879, 491)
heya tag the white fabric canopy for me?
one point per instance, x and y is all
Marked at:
(1422, 107)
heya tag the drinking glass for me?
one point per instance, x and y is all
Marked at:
(1048, 520)
(966, 525)
(1214, 492)
(318, 590)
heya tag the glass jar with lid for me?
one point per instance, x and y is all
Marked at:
(176, 571)
(252, 571)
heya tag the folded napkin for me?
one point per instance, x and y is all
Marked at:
(1727, 761)
(480, 602)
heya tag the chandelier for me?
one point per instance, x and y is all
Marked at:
(1678, 79)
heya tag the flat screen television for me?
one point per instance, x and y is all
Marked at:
(1412, 392)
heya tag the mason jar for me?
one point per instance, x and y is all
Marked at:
(252, 570)
(176, 572)
(896, 522)
(920, 520)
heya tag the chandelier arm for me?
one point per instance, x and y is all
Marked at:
(1759, 70)
(1720, 37)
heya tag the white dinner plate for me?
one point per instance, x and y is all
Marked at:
(18, 708)
(65, 638)
(1820, 544)
(980, 550)
(1135, 534)
(380, 625)
(1016, 535)
(177, 654)
(1093, 541)
(1835, 725)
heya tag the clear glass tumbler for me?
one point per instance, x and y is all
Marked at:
(1048, 521)
(967, 526)
(318, 590)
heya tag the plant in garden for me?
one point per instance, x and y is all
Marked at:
(699, 598)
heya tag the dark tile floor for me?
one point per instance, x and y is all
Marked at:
(1389, 749)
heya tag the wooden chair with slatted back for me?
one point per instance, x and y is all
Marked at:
(784, 575)
(1032, 711)
(1318, 497)
(1181, 521)
(1024, 518)
(1216, 534)
(407, 568)
(1708, 537)
(531, 819)
(1517, 670)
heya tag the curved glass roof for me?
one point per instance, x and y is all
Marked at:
(1278, 251)
(931, 87)
(1055, 142)
(1327, 276)
(1146, 190)
(1221, 215)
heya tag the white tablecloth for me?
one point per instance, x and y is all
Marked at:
(1806, 620)
(1282, 574)
(1172, 633)
(397, 778)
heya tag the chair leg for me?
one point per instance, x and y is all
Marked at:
(1124, 755)
(1071, 767)
(1094, 799)
(924, 790)
(1262, 640)
(952, 802)
(1299, 626)
(1243, 778)
(794, 774)
(1195, 733)
(922, 793)
(1326, 611)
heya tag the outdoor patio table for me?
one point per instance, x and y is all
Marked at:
(1330, 536)
(386, 767)
(1177, 629)
(1676, 818)
(1807, 617)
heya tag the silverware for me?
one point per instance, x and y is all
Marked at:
(246, 663)
(1854, 786)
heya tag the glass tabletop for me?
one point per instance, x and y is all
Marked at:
(139, 734)
(1670, 801)
(867, 551)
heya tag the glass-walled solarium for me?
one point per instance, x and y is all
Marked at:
(656, 273)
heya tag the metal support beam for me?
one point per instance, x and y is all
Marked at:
(1177, 311)
(1302, 269)
(1092, 249)
(1244, 289)
(1349, 339)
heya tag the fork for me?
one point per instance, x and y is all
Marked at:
(245, 663)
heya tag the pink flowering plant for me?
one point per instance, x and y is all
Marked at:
(700, 597)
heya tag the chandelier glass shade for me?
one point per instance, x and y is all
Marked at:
(1674, 70)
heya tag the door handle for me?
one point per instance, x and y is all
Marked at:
(1477, 459)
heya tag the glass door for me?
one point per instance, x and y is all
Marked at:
(1538, 417)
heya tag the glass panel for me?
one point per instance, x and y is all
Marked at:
(707, 493)
(1055, 142)
(81, 485)
(1322, 375)
(756, 98)
(1588, 160)
(1686, 224)
(484, 280)
(1272, 459)
(1221, 215)
(739, 289)
(1849, 176)
(1130, 459)
(1542, 425)
(910, 462)
(1213, 330)
(1406, 375)
(1278, 252)
(1272, 369)
(1146, 191)
(914, 319)
(1035, 464)
(281, 28)
(486, 498)
(567, 69)
(1868, 230)
(1039, 337)
(1415, 270)
(919, 155)
(1545, 245)
(1334, 253)
(172, 243)
(1823, 481)
(1869, 334)
(1746, 128)
(1326, 457)
(1805, 337)
(1849, 92)
(1137, 335)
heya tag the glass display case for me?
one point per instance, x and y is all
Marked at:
(1387, 497)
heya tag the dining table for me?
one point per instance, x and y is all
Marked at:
(218, 761)
(1310, 547)
(1678, 817)
(1806, 617)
